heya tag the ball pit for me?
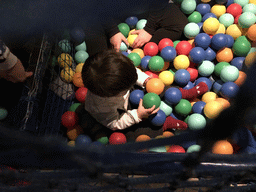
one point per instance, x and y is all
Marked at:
(155, 85)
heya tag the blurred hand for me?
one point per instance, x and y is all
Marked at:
(145, 113)
(16, 74)
(143, 37)
(117, 39)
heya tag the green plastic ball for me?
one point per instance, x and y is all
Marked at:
(175, 43)
(195, 17)
(250, 8)
(141, 24)
(81, 47)
(194, 148)
(81, 56)
(229, 73)
(151, 99)
(156, 63)
(241, 47)
(167, 109)
(74, 106)
(65, 46)
(160, 149)
(135, 59)
(196, 121)
(103, 140)
(226, 19)
(247, 19)
(188, 6)
(219, 66)
(3, 113)
(183, 107)
(191, 30)
(241, 2)
(206, 68)
(124, 29)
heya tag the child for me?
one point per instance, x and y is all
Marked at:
(109, 77)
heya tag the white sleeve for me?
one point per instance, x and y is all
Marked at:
(141, 77)
(128, 119)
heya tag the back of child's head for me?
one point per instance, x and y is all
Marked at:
(108, 73)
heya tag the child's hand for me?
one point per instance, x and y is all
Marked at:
(145, 113)
(117, 39)
(143, 38)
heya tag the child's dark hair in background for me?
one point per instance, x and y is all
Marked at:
(108, 73)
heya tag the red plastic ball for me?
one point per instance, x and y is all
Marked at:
(234, 9)
(81, 94)
(117, 138)
(150, 49)
(183, 48)
(176, 149)
(69, 119)
(152, 74)
(164, 43)
(193, 73)
(236, 19)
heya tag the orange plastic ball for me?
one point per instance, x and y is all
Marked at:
(168, 134)
(155, 85)
(77, 80)
(251, 32)
(73, 133)
(222, 147)
(241, 78)
(224, 55)
(166, 65)
(142, 138)
(224, 102)
(139, 51)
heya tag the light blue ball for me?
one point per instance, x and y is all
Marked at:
(3, 113)
(161, 149)
(123, 47)
(249, 8)
(229, 73)
(194, 148)
(141, 24)
(188, 6)
(241, 2)
(81, 56)
(167, 109)
(191, 30)
(206, 68)
(196, 121)
(246, 19)
(81, 47)
(226, 19)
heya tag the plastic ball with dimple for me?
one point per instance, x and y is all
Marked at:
(144, 62)
(247, 19)
(241, 46)
(141, 24)
(191, 30)
(222, 147)
(198, 107)
(188, 6)
(203, 8)
(132, 21)
(181, 62)
(69, 119)
(211, 25)
(212, 109)
(155, 85)
(166, 77)
(81, 47)
(219, 41)
(210, 54)
(202, 40)
(164, 43)
(81, 94)
(150, 49)
(124, 29)
(168, 53)
(183, 47)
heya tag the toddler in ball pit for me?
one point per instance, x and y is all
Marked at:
(109, 77)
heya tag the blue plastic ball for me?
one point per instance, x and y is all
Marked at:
(83, 141)
(132, 21)
(210, 54)
(172, 96)
(157, 119)
(197, 55)
(238, 62)
(229, 2)
(144, 62)
(230, 41)
(200, 25)
(125, 53)
(219, 41)
(135, 96)
(77, 35)
(190, 85)
(203, 8)
(229, 90)
(208, 15)
(182, 77)
(168, 53)
(217, 86)
(202, 40)
(205, 80)
(198, 107)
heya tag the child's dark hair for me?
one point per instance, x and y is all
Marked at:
(108, 73)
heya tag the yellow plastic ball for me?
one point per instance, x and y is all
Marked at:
(234, 31)
(65, 60)
(71, 143)
(131, 38)
(250, 59)
(222, 147)
(218, 10)
(166, 77)
(139, 51)
(212, 109)
(205, 1)
(252, 1)
(79, 67)
(222, 29)
(211, 25)
(181, 62)
(67, 74)
(209, 96)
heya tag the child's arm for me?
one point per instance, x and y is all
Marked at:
(142, 78)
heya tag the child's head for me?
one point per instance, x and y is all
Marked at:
(108, 73)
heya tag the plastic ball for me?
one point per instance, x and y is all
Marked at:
(83, 141)
(251, 33)
(219, 41)
(103, 140)
(202, 40)
(247, 19)
(135, 59)
(160, 149)
(206, 68)
(191, 30)
(117, 138)
(229, 73)
(124, 29)
(65, 46)
(219, 66)
(156, 63)
(194, 148)
(224, 102)
(226, 19)
(182, 77)
(125, 53)
(193, 73)
(212, 109)
(142, 138)
(135, 97)
(77, 35)
(81, 94)
(176, 149)
(157, 119)
(166, 77)
(150, 49)
(222, 29)
(155, 85)
(151, 99)
(241, 2)
(241, 46)
(79, 68)
(131, 38)
(222, 147)
(209, 96)
(168, 53)
(205, 80)
(175, 43)
(218, 10)
(208, 15)
(230, 41)
(183, 48)
(188, 6)
(123, 47)
(77, 80)
(196, 122)
(141, 24)
(210, 54)
(139, 51)
(74, 106)
(217, 86)
(183, 107)
(234, 9)
(132, 21)
(65, 60)
(229, 90)
(164, 43)
(211, 25)
(234, 31)
(73, 133)
(250, 59)
(198, 107)
(144, 62)
(195, 17)
(238, 62)
(67, 75)
(181, 62)
(69, 119)
(203, 8)
(172, 96)
(3, 113)
(224, 55)
(81, 56)
(151, 74)
(167, 109)
(81, 47)
(197, 55)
